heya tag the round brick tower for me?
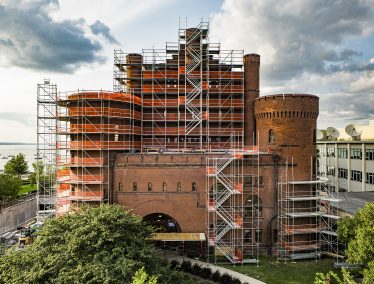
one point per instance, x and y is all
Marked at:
(286, 124)
(251, 92)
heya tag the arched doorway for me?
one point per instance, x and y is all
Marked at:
(163, 223)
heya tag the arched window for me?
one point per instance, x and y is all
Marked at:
(134, 186)
(164, 186)
(120, 187)
(194, 186)
(314, 136)
(271, 136)
(179, 186)
(253, 206)
(149, 186)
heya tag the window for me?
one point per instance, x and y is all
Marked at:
(343, 153)
(194, 186)
(179, 186)
(321, 170)
(330, 152)
(248, 236)
(369, 154)
(356, 175)
(134, 186)
(250, 181)
(258, 236)
(322, 152)
(164, 186)
(331, 171)
(314, 133)
(342, 173)
(356, 154)
(149, 186)
(253, 206)
(370, 178)
(271, 136)
(275, 235)
(120, 187)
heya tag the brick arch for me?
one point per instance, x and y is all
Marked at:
(178, 213)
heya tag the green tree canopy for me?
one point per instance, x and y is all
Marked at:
(16, 166)
(9, 186)
(38, 169)
(103, 244)
(358, 232)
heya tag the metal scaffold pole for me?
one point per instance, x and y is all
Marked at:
(46, 149)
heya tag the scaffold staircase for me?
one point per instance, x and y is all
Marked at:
(194, 60)
(225, 218)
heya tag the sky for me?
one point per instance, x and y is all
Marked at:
(321, 47)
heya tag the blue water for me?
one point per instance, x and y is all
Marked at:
(28, 150)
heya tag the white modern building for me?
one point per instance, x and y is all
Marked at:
(349, 165)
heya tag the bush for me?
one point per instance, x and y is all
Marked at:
(216, 276)
(225, 279)
(174, 264)
(206, 272)
(186, 266)
(196, 269)
(236, 281)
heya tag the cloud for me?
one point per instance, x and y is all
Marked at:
(363, 84)
(22, 118)
(100, 28)
(31, 38)
(295, 37)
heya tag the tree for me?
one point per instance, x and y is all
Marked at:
(38, 169)
(141, 277)
(103, 244)
(9, 186)
(16, 166)
(358, 233)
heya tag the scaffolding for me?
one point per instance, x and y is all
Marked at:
(46, 149)
(233, 205)
(92, 127)
(306, 221)
(192, 92)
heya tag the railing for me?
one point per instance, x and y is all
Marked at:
(102, 111)
(182, 116)
(14, 202)
(100, 128)
(96, 145)
(181, 88)
(176, 102)
(100, 95)
(181, 131)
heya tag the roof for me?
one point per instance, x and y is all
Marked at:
(352, 201)
(172, 237)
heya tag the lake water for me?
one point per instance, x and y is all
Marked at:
(28, 150)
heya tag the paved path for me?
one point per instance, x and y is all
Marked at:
(243, 278)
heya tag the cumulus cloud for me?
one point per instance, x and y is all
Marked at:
(309, 46)
(31, 38)
(294, 36)
(100, 28)
(363, 83)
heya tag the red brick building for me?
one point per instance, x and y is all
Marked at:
(186, 142)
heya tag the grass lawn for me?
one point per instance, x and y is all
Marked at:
(26, 188)
(272, 272)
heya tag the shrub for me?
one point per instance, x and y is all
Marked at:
(225, 279)
(174, 264)
(236, 281)
(186, 266)
(216, 276)
(206, 272)
(196, 269)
